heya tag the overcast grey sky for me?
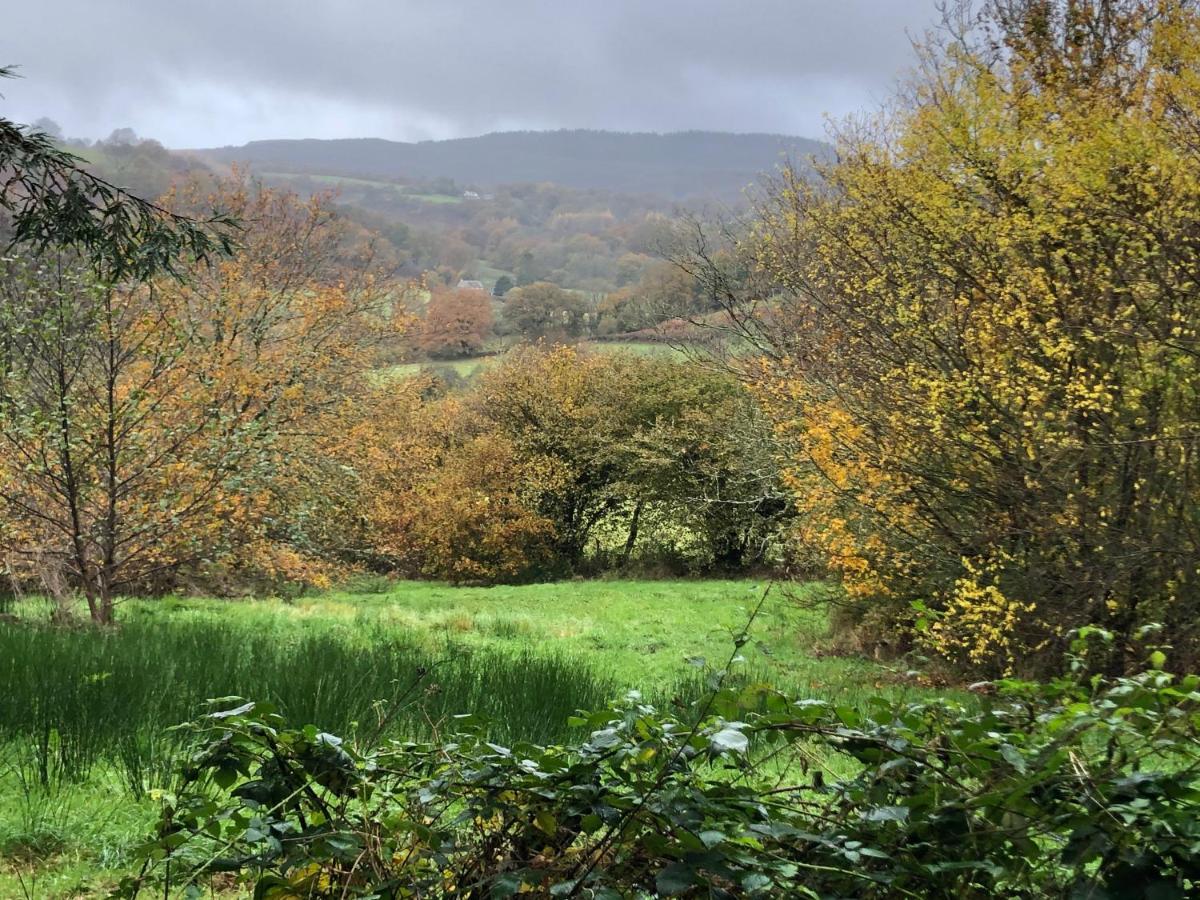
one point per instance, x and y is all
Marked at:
(212, 72)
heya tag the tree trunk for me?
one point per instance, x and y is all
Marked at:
(633, 532)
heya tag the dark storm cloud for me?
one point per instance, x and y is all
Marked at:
(210, 72)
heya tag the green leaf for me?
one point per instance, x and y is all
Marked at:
(675, 879)
(507, 885)
(546, 821)
(1013, 757)
(886, 814)
(731, 739)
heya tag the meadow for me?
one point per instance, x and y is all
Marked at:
(86, 714)
(337, 182)
(472, 367)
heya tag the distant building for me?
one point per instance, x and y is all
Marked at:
(469, 285)
(470, 195)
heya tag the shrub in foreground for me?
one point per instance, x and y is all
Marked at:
(1076, 788)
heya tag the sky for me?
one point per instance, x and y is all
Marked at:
(204, 73)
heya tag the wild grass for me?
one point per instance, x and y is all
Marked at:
(76, 698)
(85, 714)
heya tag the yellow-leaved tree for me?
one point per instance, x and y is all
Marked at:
(978, 334)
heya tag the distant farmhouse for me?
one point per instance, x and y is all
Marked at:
(469, 285)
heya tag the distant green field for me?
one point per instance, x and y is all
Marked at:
(636, 348)
(470, 368)
(335, 180)
(349, 181)
(489, 274)
(436, 198)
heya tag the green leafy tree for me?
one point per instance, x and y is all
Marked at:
(503, 285)
(647, 448)
(543, 309)
(53, 202)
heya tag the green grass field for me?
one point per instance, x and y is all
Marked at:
(346, 181)
(467, 368)
(83, 714)
(470, 368)
(636, 348)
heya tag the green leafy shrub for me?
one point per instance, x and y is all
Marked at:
(1081, 787)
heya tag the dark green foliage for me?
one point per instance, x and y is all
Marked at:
(503, 285)
(542, 309)
(1078, 788)
(55, 203)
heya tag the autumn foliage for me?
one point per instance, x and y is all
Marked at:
(978, 337)
(457, 323)
(150, 426)
(558, 462)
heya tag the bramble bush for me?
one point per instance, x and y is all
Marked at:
(1085, 786)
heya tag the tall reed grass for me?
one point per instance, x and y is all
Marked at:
(71, 699)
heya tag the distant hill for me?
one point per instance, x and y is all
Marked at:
(680, 165)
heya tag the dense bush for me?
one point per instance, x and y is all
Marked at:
(979, 334)
(1078, 788)
(558, 462)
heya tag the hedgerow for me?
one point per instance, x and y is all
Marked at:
(1085, 786)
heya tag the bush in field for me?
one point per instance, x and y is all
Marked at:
(1079, 788)
(979, 334)
(541, 309)
(558, 461)
(636, 440)
(453, 500)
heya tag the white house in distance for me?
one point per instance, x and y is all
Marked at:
(465, 284)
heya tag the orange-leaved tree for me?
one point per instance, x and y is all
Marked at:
(148, 425)
(446, 496)
(457, 323)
